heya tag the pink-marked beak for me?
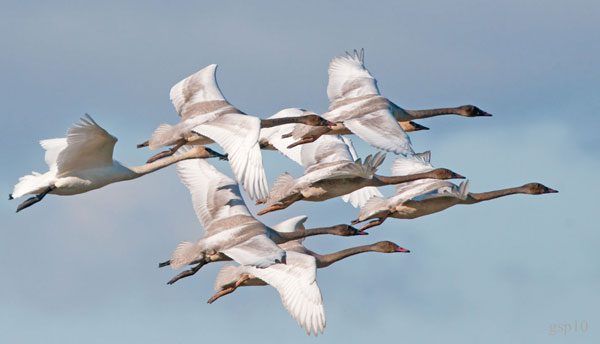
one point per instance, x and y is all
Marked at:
(550, 190)
(363, 233)
(402, 249)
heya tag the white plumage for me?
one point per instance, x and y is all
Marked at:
(229, 225)
(354, 100)
(330, 171)
(206, 117)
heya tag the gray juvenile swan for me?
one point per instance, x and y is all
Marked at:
(231, 230)
(424, 197)
(207, 117)
(357, 106)
(331, 171)
(296, 281)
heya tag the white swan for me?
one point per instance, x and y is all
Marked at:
(231, 229)
(332, 171)
(356, 104)
(83, 161)
(296, 281)
(330, 148)
(427, 196)
(280, 137)
(206, 117)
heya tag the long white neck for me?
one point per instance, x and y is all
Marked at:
(141, 170)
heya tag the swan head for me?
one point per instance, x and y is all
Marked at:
(444, 173)
(472, 111)
(346, 230)
(537, 189)
(389, 247)
(411, 126)
(317, 121)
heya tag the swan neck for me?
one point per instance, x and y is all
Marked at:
(486, 196)
(392, 180)
(273, 122)
(162, 163)
(419, 114)
(325, 260)
(289, 236)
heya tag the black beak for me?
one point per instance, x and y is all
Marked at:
(457, 176)
(482, 113)
(418, 127)
(214, 154)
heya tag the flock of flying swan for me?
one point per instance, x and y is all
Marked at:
(273, 255)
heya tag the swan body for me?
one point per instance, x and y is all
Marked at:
(424, 197)
(332, 170)
(207, 117)
(230, 227)
(357, 107)
(83, 161)
(231, 230)
(296, 281)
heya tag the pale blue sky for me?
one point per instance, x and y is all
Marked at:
(83, 268)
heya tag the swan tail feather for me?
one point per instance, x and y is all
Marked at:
(185, 253)
(281, 188)
(227, 275)
(163, 136)
(33, 183)
(373, 206)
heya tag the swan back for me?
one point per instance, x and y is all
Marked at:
(324, 151)
(230, 227)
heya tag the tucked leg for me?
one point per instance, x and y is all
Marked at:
(168, 152)
(33, 200)
(284, 203)
(305, 139)
(243, 278)
(187, 273)
(377, 222)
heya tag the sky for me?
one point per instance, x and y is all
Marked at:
(84, 268)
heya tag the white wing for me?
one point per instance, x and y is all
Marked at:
(381, 130)
(214, 195)
(296, 283)
(53, 147)
(359, 197)
(236, 132)
(238, 135)
(446, 189)
(417, 163)
(259, 251)
(196, 93)
(295, 224)
(88, 146)
(348, 78)
(326, 149)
